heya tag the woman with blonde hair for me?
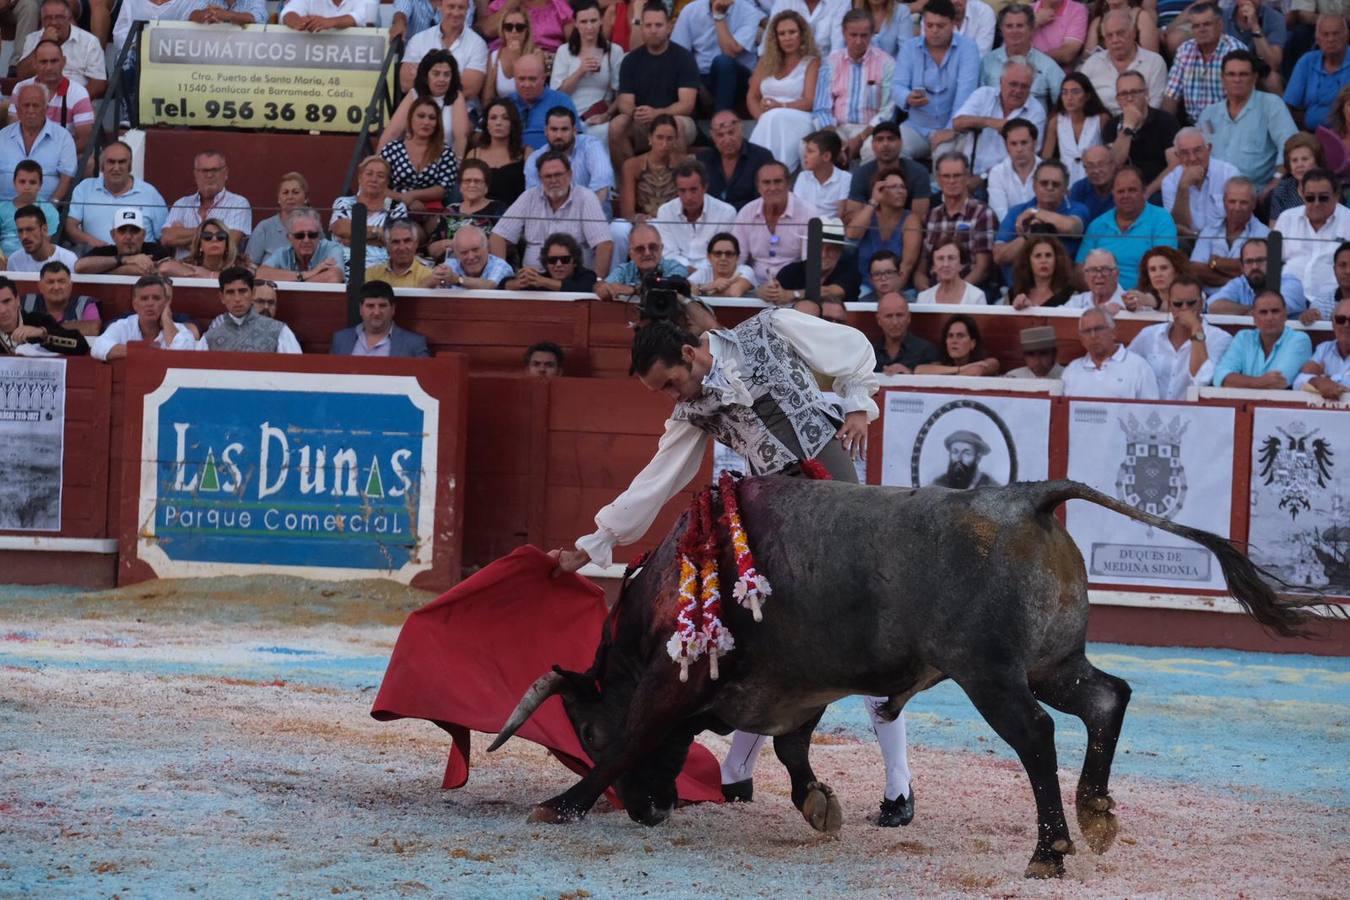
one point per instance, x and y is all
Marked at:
(212, 251)
(783, 88)
(270, 233)
(517, 41)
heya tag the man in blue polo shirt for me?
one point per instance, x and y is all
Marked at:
(534, 98)
(1319, 76)
(1131, 229)
(1269, 356)
(89, 220)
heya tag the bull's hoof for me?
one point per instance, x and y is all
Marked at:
(1051, 866)
(543, 814)
(1097, 823)
(821, 809)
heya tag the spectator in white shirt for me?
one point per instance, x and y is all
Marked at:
(1011, 181)
(1204, 177)
(689, 221)
(1182, 352)
(976, 20)
(38, 248)
(1313, 231)
(326, 15)
(1103, 281)
(1328, 372)
(211, 201)
(979, 120)
(821, 182)
(152, 321)
(1108, 369)
(723, 274)
(86, 64)
(469, 50)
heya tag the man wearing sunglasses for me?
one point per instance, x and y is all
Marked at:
(1269, 356)
(1328, 372)
(310, 256)
(1313, 231)
(129, 253)
(1182, 352)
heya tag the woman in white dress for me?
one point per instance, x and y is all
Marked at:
(783, 89)
(1075, 125)
(587, 68)
(950, 287)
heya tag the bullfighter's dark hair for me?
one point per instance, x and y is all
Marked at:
(661, 341)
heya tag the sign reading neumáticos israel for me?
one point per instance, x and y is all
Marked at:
(259, 76)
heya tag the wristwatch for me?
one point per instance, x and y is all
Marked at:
(1198, 337)
(1130, 132)
(718, 17)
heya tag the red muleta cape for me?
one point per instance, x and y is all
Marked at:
(464, 661)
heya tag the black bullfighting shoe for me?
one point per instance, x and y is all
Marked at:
(893, 812)
(739, 792)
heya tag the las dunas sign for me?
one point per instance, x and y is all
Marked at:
(306, 474)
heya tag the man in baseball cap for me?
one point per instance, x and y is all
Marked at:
(129, 253)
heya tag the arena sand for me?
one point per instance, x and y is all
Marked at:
(213, 738)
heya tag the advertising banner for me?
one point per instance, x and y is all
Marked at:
(258, 76)
(32, 439)
(328, 475)
(964, 440)
(1300, 496)
(1174, 461)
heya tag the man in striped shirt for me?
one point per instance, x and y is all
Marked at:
(853, 93)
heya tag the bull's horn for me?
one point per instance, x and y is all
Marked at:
(547, 685)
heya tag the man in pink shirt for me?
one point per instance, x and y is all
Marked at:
(1061, 29)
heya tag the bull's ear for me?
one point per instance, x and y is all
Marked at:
(578, 684)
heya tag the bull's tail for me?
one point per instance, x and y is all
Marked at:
(1286, 615)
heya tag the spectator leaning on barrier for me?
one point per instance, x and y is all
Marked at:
(230, 12)
(211, 200)
(557, 204)
(1313, 231)
(898, 351)
(86, 63)
(1215, 257)
(734, 162)
(1102, 274)
(152, 321)
(839, 276)
(27, 182)
(1042, 274)
(377, 335)
(242, 328)
(36, 137)
(1039, 349)
(212, 251)
(327, 15)
(310, 256)
(33, 334)
(722, 274)
(1132, 228)
(54, 298)
(402, 269)
(561, 268)
(1328, 372)
(948, 259)
(270, 233)
(129, 253)
(1268, 356)
(1182, 352)
(544, 360)
(687, 222)
(469, 264)
(646, 258)
(37, 247)
(772, 229)
(89, 218)
(1237, 296)
(1108, 369)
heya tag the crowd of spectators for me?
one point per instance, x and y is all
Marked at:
(1127, 155)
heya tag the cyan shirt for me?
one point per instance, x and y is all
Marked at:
(1153, 228)
(1254, 142)
(9, 232)
(94, 207)
(1246, 356)
(947, 85)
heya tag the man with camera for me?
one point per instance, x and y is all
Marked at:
(646, 259)
(754, 389)
(36, 334)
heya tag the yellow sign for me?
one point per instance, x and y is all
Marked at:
(259, 76)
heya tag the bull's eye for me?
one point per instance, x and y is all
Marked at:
(590, 735)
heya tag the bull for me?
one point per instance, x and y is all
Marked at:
(984, 587)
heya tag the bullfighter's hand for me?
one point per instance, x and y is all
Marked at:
(568, 561)
(853, 434)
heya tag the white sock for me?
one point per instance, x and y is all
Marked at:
(740, 762)
(894, 749)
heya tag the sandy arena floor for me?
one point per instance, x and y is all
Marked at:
(214, 738)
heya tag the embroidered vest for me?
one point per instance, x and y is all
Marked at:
(779, 381)
(257, 334)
